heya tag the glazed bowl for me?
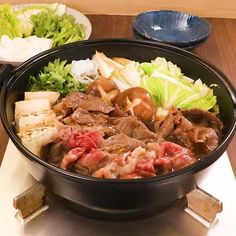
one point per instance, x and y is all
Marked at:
(171, 27)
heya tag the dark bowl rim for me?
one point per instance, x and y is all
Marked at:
(185, 47)
(199, 165)
(177, 43)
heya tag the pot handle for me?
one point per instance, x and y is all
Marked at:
(203, 206)
(5, 73)
(31, 203)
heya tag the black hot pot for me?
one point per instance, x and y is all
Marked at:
(118, 199)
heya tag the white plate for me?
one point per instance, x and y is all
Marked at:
(79, 17)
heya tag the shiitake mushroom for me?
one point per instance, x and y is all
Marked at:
(134, 101)
(138, 102)
(104, 88)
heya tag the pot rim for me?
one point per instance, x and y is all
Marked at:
(196, 167)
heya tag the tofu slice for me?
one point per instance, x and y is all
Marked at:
(35, 139)
(31, 107)
(52, 96)
(30, 122)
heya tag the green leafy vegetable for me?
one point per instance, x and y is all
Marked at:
(25, 14)
(170, 88)
(62, 29)
(56, 76)
(162, 79)
(26, 26)
(34, 9)
(46, 21)
(9, 23)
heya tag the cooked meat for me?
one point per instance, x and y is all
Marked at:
(54, 152)
(117, 112)
(203, 118)
(164, 126)
(83, 117)
(106, 130)
(61, 108)
(199, 135)
(121, 143)
(90, 121)
(80, 100)
(200, 139)
(97, 139)
(133, 128)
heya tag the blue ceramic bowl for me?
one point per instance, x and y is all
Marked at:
(188, 47)
(175, 28)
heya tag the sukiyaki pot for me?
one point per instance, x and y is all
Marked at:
(120, 128)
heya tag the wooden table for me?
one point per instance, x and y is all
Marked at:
(220, 49)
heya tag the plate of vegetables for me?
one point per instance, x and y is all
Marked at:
(28, 29)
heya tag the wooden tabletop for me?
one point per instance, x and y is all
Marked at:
(220, 49)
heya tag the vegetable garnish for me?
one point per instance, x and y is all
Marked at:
(162, 79)
(62, 29)
(45, 20)
(56, 76)
(170, 88)
(10, 25)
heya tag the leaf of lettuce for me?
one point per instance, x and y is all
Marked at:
(204, 103)
(170, 88)
(9, 23)
(168, 94)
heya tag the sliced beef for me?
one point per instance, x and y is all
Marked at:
(171, 156)
(133, 128)
(61, 108)
(164, 126)
(121, 143)
(72, 156)
(203, 118)
(90, 162)
(97, 139)
(199, 130)
(106, 130)
(144, 168)
(135, 164)
(83, 117)
(146, 162)
(199, 138)
(71, 145)
(117, 112)
(54, 152)
(90, 121)
(80, 100)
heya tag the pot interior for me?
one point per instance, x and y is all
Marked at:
(191, 65)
